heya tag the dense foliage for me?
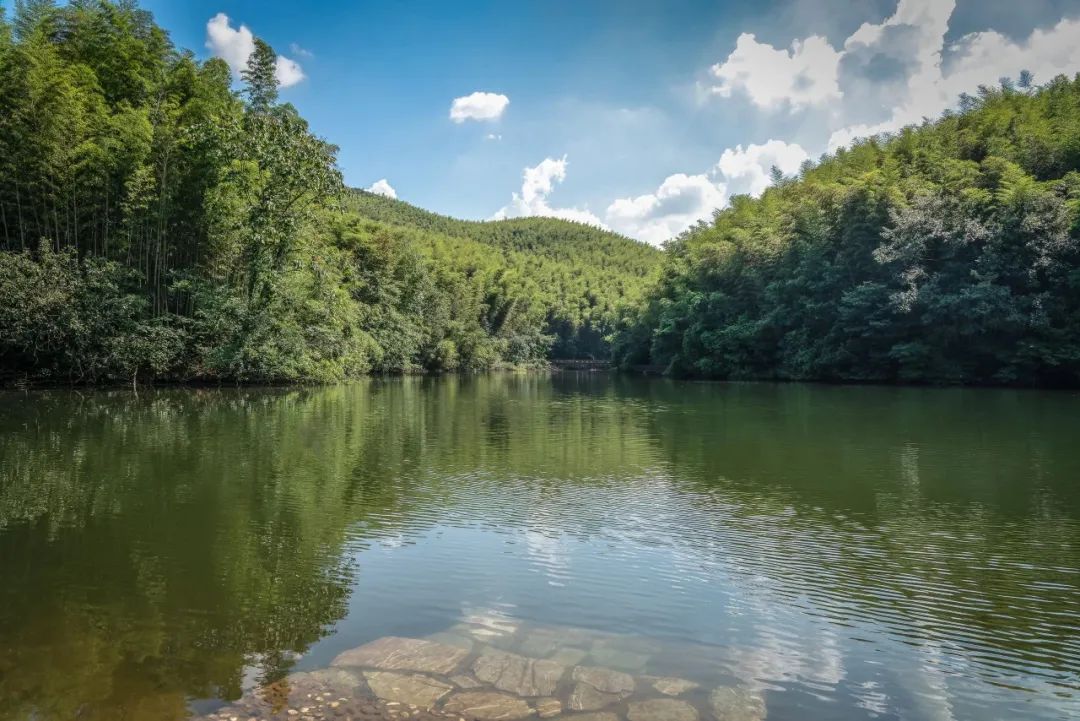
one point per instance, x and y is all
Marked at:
(948, 253)
(156, 224)
(580, 280)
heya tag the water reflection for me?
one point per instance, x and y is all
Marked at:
(840, 551)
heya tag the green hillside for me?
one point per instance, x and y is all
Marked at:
(551, 237)
(157, 224)
(584, 277)
(948, 253)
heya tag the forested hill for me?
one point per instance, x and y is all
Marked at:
(948, 253)
(558, 239)
(155, 223)
(580, 281)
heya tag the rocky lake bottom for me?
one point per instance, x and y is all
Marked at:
(490, 668)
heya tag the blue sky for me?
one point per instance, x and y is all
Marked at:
(639, 116)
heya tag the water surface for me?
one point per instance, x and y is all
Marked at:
(845, 553)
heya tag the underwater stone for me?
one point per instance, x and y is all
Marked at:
(619, 658)
(673, 686)
(604, 679)
(586, 698)
(661, 709)
(487, 706)
(548, 707)
(569, 656)
(465, 681)
(393, 653)
(518, 674)
(731, 703)
(412, 689)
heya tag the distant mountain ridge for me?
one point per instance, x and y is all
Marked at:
(585, 278)
(556, 237)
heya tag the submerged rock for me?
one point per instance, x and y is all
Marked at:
(586, 698)
(595, 716)
(569, 656)
(542, 642)
(518, 674)
(413, 689)
(488, 628)
(463, 680)
(488, 706)
(673, 686)
(598, 687)
(604, 679)
(393, 653)
(731, 703)
(661, 709)
(620, 658)
(548, 707)
(340, 680)
(456, 640)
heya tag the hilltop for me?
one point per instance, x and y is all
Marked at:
(581, 278)
(945, 253)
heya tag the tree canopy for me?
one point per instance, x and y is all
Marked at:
(156, 223)
(946, 253)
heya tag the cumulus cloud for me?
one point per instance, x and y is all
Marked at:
(299, 50)
(235, 45)
(682, 200)
(679, 202)
(980, 58)
(773, 77)
(537, 184)
(288, 72)
(748, 171)
(478, 106)
(891, 73)
(382, 187)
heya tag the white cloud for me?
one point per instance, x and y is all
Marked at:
(889, 74)
(773, 77)
(493, 136)
(748, 171)
(297, 49)
(682, 200)
(537, 184)
(288, 72)
(679, 202)
(382, 187)
(977, 59)
(478, 106)
(235, 46)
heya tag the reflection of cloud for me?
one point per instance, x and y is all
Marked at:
(487, 623)
(778, 654)
(549, 553)
(927, 684)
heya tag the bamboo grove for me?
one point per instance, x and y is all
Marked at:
(947, 253)
(156, 223)
(163, 220)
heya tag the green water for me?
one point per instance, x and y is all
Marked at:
(846, 553)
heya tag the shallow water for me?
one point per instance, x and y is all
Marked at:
(840, 553)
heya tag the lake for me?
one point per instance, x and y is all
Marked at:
(805, 552)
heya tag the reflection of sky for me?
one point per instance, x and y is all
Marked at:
(661, 565)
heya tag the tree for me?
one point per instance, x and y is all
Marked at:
(260, 78)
